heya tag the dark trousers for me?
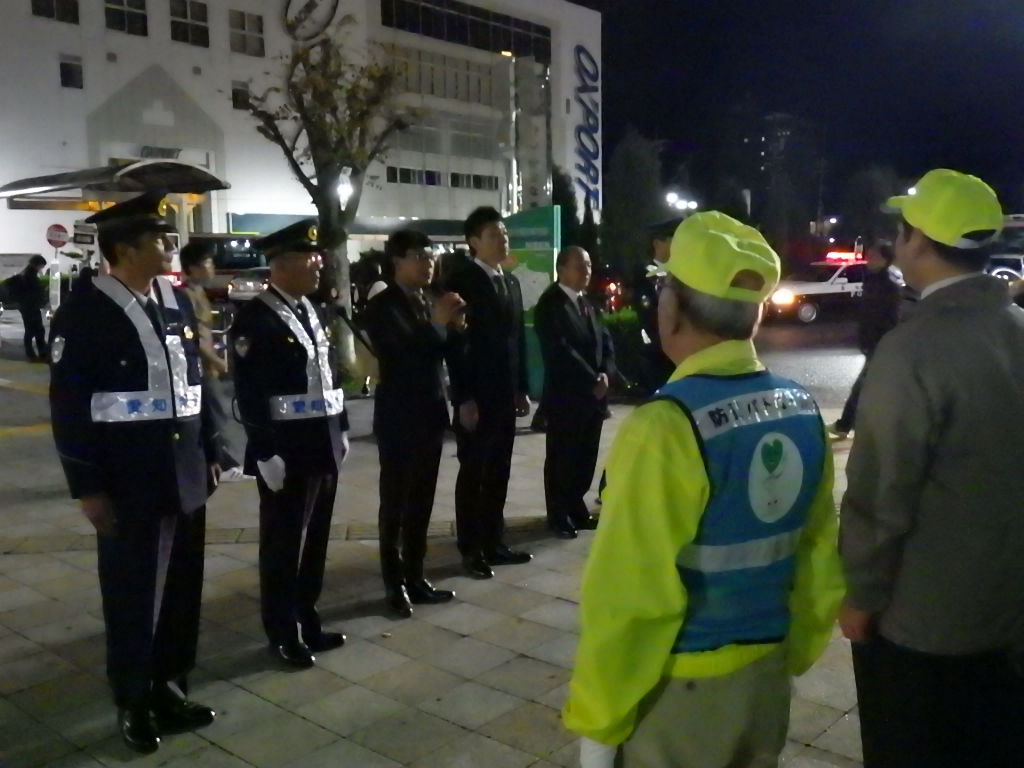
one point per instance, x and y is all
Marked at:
(295, 526)
(408, 480)
(573, 440)
(846, 421)
(151, 581)
(34, 332)
(485, 464)
(923, 711)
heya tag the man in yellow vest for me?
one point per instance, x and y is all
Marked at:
(714, 575)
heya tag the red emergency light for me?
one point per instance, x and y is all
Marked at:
(845, 257)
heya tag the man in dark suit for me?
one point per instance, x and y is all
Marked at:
(296, 425)
(489, 389)
(137, 446)
(409, 331)
(577, 362)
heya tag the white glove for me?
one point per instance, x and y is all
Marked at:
(344, 446)
(272, 472)
(596, 755)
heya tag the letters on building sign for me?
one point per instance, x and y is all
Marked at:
(588, 130)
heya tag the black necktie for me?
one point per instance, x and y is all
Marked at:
(300, 312)
(581, 304)
(422, 306)
(155, 316)
(499, 285)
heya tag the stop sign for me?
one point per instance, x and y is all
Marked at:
(57, 236)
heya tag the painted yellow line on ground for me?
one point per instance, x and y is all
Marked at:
(32, 429)
(18, 386)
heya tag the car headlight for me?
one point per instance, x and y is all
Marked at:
(783, 297)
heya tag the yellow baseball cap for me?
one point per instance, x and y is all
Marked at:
(947, 205)
(710, 249)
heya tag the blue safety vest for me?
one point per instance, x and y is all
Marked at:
(764, 446)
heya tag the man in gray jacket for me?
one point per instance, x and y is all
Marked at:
(932, 524)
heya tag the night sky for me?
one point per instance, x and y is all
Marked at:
(914, 84)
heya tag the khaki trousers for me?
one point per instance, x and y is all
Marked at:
(738, 720)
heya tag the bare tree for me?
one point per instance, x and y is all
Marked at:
(332, 116)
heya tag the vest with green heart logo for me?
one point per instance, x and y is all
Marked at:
(763, 444)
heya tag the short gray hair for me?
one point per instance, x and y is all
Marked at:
(725, 318)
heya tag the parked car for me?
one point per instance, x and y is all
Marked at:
(248, 284)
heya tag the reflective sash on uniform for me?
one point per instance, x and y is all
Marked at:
(169, 394)
(320, 398)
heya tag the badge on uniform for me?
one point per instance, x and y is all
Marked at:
(188, 332)
(242, 346)
(57, 349)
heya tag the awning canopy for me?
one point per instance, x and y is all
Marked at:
(114, 180)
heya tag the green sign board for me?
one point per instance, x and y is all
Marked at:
(535, 237)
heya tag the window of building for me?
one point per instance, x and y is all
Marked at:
(464, 24)
(246, 33)
(475, 181)
(59, 10)
(447, 77)
(189, 23)
(474, 138)
(240, 94)
(396, 175)
(127, 16)
(71, 73)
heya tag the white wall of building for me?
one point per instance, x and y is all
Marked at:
(166, 93)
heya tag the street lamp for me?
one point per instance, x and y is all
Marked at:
(912, 191)
(692, 205)
(345, 190)
(833, 220)
(672, 198)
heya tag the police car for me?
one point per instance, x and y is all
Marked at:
(824, 285)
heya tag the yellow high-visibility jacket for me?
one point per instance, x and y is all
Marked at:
(633, 599)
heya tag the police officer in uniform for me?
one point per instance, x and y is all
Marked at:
(137, 449)
(296, 426)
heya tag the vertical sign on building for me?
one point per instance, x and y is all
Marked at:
(533, 132)
(588, 127)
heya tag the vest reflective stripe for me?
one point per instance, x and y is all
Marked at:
(763, 444)
(736, 557)
(320, 398)
(753, 408)
(169, 395)
(289, 407)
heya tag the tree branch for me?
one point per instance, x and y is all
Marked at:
(273, 132)
(396, 125)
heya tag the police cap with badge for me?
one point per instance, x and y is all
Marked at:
(127, 221)
(300, 237)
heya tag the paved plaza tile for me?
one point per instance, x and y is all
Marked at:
(478, 683)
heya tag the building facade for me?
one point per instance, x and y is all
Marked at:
(503, 89)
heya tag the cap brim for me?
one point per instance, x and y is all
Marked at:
(894, 204)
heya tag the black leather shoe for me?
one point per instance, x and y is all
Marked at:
(422, 592)
(477, 567)
(137, 730)
(563, 530)
(505, 556)
(588, 523)
(325, 641)
(398, 602)
(293, 654)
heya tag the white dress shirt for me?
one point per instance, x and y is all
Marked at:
(946, 283)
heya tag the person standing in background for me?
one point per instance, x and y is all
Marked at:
(489, 390)
(577, 363)
(197, 270)
(879, 314)
(409, 332)
(28, 290)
